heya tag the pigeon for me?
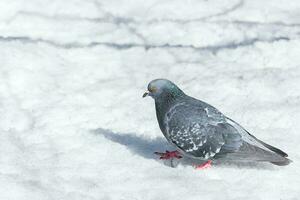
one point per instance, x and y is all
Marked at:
(199, 131)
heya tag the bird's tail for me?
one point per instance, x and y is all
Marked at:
(286, 161)
(249, 152)
(274, 156)
(283, 160)
(272, 148)
(260, 151)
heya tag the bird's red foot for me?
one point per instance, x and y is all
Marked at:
(169, 155)
(205, 165)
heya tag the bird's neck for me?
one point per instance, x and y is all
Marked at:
(163, 105)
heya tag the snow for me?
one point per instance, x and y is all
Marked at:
(73, 124)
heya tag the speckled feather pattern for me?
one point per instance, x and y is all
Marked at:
(198, 129)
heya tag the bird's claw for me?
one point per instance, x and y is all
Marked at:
(168, 155)
(205, 165)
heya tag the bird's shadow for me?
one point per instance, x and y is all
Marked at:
(146, 147)
(138, 145)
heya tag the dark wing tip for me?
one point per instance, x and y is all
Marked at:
(274, 149)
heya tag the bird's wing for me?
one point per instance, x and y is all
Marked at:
(200, 131)
(252, 140)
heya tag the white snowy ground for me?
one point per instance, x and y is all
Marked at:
(73, 124)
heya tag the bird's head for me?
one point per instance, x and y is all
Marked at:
(163, 88)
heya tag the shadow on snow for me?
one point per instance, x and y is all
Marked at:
(145, 147)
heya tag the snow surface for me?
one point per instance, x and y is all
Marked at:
(73, 124)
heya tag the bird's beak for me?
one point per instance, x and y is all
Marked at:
(145, 94)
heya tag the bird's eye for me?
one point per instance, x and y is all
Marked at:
(152, 89)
